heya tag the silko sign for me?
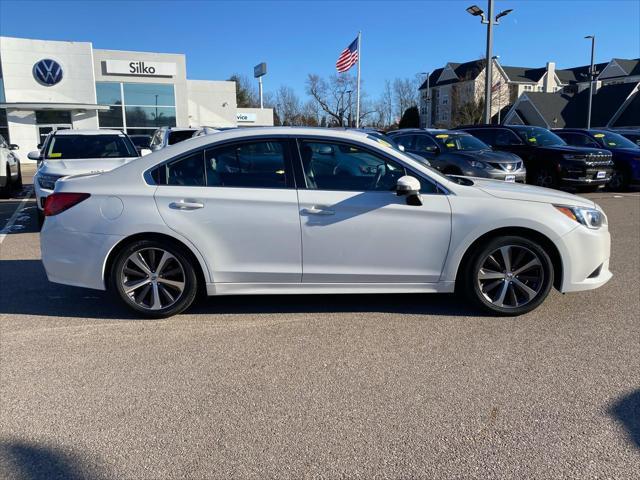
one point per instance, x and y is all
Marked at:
(140, 68)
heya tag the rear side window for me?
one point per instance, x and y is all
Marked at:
(505, 137)
(406, 141)
(188, 171)
(487, 135)
(179, 136)
(249, 165)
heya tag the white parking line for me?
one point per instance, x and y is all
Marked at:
(7, 228)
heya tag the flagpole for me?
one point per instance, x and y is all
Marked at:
(358, 89)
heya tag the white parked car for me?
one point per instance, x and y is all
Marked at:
(10, 172)
(164, 137)
(298, 210)
(74, 152)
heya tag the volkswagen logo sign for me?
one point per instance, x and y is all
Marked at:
(47, 72)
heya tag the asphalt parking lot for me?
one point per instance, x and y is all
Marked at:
(384, 386)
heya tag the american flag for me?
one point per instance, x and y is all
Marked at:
(348, 58)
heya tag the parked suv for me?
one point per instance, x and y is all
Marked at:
(626, 154)
(75, 152)
(458, 153)
(165, 136)
(550, 162)
(632, 134)
(10, 174)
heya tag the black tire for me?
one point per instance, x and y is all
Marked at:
(619, 181)
(545, 177)
(189, 277)
(40, 218)
(5, 192)
(470, 282)
(18, 184)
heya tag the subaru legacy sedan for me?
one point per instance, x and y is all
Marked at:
(296, 210)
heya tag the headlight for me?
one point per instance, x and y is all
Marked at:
(47, 182)
(589, 217)
(479, 164)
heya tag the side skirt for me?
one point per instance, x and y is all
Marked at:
(319, 288)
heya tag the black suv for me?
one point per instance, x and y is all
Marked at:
(549, 160)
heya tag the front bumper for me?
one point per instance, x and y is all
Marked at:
(519, 176)
(585, 259)
(75, 258)
(577, 175)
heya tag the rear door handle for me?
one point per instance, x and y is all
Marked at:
(317, 211)
(186, 205)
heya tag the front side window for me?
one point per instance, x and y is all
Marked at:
(66, 147)
(406, 141)
(249, 165)
(505, 138)
(346, 167)
(486, 135)
(453, 142)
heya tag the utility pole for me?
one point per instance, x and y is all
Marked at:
(592, 76)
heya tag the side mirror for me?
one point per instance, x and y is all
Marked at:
(408, 186)
(13, 146)
(144, 151)
(34, 155)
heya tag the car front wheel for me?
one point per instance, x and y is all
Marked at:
(509, 275)
(155, 278)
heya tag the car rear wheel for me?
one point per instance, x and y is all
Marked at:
(509, 275)
(155, 278)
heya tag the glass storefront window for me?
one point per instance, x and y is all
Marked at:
(150, 117)
(111, 118)
(144, 94)
(108, 93)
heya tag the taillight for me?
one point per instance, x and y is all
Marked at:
(59, 202)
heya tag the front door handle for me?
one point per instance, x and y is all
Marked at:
(317, 211)
(186, 205)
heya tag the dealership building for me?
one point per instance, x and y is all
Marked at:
(52, 85)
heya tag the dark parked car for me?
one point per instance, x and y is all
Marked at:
(626, 154)
(458, 153)
(632, 134)
(141, 142)
(550, 162)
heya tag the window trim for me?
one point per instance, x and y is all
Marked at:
(290, 180)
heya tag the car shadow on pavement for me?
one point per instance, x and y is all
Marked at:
(627, 411)
(29, 461)
(26, 291)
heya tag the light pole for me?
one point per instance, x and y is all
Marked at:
(592, 75)
(349, 117)
(489, 21)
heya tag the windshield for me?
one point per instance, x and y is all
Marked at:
(615, 140)
(450, 142)
(65, 147)
(539, 137)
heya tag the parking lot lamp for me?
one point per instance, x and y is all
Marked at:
(489, 21)
(592, 76)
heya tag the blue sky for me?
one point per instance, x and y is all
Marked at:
(400, 38)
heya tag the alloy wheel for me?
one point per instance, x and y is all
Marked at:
(511, 276)
(153, 278)
(544, 179)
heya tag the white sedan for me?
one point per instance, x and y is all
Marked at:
(299, 210)
(75, 152)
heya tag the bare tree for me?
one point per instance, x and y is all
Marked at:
(288, 106)
(332, 96)
(246, 94)
(405, 95)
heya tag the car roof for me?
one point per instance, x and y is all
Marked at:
(431, 131)
(87, 132)
(588, 130)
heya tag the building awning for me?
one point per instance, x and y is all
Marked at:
(32, 106)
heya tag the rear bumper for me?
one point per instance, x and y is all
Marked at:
(586, 259)
(75, 258)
